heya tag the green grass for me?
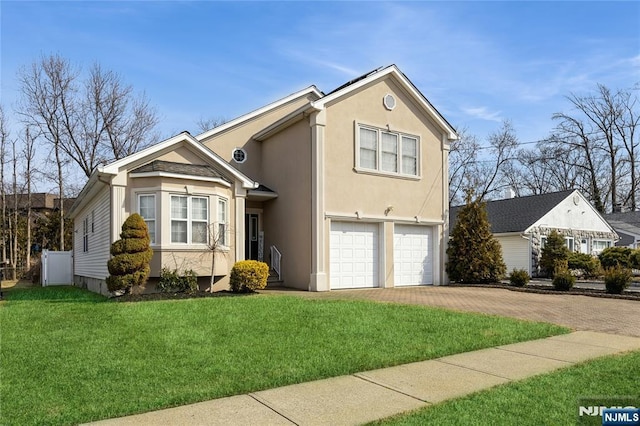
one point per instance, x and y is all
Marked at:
(550, 399)
(70, 356)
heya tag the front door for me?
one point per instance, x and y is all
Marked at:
(251, 237)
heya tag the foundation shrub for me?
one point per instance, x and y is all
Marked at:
(519, 278)
(171, 281)
(617, 279)
(249, 275)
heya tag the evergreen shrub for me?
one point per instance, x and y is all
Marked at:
(555, 254)
(519, 278)
(475, 256)
(171, 281)
(563, 280)
(616, 256)
(131, 254)
(617, 279)
(587, 264)
(249, 275)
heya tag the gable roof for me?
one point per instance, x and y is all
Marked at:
(406, 83)
(185, 138)
(516, 214)
(352, 85)
(309, 91)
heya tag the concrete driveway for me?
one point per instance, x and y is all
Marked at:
(617, 316)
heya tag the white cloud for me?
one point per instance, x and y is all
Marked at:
(483, 113)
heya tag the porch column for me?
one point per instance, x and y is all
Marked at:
(443, 231)
(239, 231)
(318, 281)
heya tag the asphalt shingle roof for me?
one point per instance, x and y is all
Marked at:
(516, 214)
(179, 168)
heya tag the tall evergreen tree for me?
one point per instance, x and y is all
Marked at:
(475, 256)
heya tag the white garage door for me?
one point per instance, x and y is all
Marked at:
(412, 255)
(354, 255)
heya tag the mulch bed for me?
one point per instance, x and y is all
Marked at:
(145, 297)
(543, 289)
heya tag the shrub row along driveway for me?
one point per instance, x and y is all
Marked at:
(616, 316)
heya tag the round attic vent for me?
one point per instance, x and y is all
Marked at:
(576, 199)
(239, 155)
(389, 102)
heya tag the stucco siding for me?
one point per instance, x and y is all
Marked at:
(240, 136)
(93, 262)
(516, 252)
(287, 219)
(348, 190)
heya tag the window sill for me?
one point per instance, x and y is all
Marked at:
(386, 174)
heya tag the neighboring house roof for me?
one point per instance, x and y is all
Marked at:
(352, 86)
(627, 225)
(517, 214)
(39, 201)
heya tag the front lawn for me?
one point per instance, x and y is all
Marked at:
(549, 399)
(69, 356)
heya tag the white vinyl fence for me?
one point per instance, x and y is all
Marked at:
(57, 268)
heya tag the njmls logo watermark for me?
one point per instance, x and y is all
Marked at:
(609, 411)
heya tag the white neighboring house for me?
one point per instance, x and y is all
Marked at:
(522, 224)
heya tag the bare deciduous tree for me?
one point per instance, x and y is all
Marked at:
(47, 91)
(4, 136)
(205, 124)
(91, 121)
(491, 175)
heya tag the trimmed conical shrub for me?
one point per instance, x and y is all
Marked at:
(475, 256)
(131, 254)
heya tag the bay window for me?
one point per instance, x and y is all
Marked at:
(189, 219)
(147, 209)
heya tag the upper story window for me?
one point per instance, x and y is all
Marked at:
(386, 151)
(189, 219)
(147, 209)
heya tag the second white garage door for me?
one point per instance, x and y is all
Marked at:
(354, 255)
(412, 255)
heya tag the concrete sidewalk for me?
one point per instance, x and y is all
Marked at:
(372, 395)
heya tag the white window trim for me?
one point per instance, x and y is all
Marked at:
(189, 220)
(155, 213)
(378, 170)
(225, 244)
(607, 244)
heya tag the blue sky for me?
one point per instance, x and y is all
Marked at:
(477, 62)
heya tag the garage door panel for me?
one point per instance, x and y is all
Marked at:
(354, 255)
(413, 255)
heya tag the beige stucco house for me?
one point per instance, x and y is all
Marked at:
(340, 190)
